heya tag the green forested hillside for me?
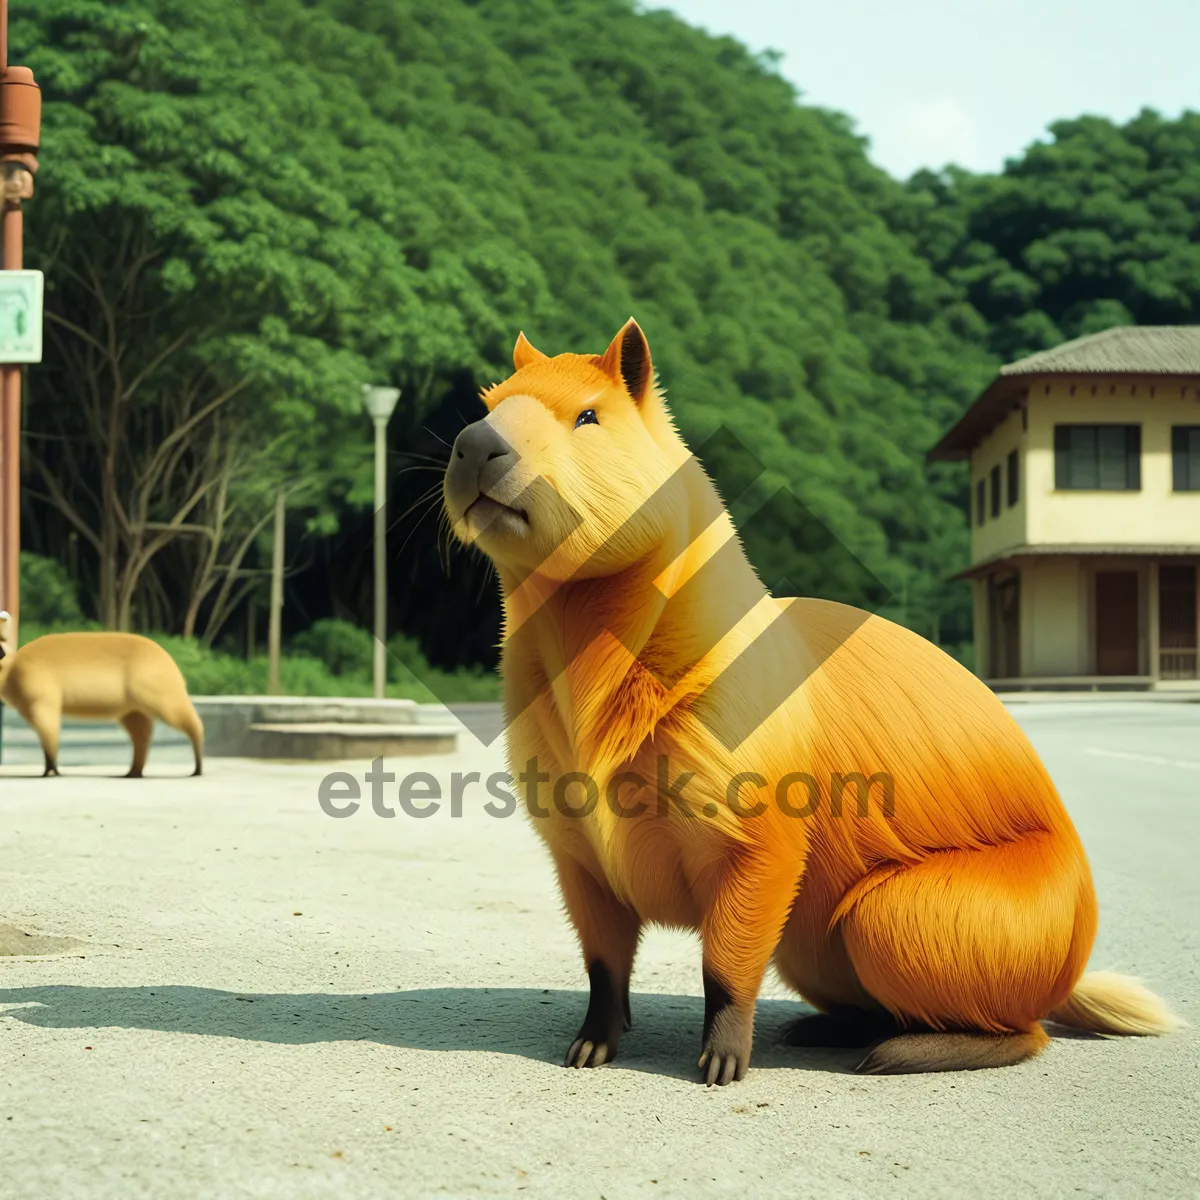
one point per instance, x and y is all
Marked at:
(248, 207)
(1098, 226)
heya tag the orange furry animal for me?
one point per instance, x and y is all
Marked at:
(644, 663)
(117, 676)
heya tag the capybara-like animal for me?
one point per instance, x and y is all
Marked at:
(114, 676)
(684, 741)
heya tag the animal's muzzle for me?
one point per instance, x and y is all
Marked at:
(479, 461)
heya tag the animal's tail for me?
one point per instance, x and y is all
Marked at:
(1103, 1002)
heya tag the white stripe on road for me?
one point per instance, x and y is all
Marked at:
(1188, 764)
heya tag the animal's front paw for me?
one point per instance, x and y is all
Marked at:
(594, 1045)
(727, 1048)
(607, 1018)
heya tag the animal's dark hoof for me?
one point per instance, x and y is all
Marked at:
(843, 1028)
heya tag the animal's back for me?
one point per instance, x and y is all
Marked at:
(887, 700)
(96, 674)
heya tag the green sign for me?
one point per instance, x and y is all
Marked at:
(20, 317)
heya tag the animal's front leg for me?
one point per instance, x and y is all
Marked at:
(745, 918)
(608, 935)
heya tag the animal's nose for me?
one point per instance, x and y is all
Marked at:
(479, 460)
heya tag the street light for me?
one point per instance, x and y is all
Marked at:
(380, 403)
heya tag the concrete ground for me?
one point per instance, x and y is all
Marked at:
(250, 998)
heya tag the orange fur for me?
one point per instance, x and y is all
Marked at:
(968, 907)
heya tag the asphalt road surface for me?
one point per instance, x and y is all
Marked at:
(211, 988)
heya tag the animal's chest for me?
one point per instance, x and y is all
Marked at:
(618, 821)
(626, 833)
(645, 862)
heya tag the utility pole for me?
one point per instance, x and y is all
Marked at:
(380, 403)
(20, 304)
(20, 316)
(275, 622)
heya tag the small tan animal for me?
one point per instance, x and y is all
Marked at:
(116, 676)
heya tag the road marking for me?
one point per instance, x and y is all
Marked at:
(1188, 764)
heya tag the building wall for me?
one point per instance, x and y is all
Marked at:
(1054, 625)
(1156, 514)
(1043, 516)
(981, 627)
(997, 534)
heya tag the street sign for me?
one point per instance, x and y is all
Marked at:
(21, 316)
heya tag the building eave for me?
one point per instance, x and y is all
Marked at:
(1011, 389)
(1003, 395)
(1017, 556)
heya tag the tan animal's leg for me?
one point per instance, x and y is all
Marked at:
(187, 721)
(608, 935)
(46, 718)
(740, 932)
(140, 729)
(181, 714)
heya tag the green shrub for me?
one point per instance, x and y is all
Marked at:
(48, 594)
(344, 648)
(413, 677)
(346, 672)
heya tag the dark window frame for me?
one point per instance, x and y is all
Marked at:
(1079, 467)
(980, 503)
(1185, 458)
(1013, 466)
(995, 489)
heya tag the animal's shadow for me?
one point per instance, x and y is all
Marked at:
(539, 1025)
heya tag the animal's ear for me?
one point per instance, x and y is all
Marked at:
(525, 353)
(627, 361)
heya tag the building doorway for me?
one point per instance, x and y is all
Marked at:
(1177, 622)
(1005, 623)
(1116, 623)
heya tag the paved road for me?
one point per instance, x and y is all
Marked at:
(255, 999)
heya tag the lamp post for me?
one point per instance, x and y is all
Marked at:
(380, 403)
(20, 127)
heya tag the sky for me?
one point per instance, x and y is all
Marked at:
(971, 82)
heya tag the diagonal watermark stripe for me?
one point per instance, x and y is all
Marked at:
(765, 523)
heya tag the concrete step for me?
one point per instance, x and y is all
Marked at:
(322, 741)
(228, 719)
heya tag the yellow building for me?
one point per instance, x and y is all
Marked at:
(1085, 512)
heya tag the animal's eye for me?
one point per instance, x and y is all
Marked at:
(587, 417)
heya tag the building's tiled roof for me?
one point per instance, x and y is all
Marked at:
(1126, 350)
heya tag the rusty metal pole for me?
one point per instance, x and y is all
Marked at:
(20, 129)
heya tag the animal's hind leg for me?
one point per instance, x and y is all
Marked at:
(841, 1027)
(180, 713)
(140, 729)
(187, 721)
(976, 946)
(811, 957)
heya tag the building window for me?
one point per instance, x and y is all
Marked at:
(995, 491)
(1098, 457)
(980, 503)
(1185, 457)
(1014, 478)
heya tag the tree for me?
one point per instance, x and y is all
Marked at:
(1098, 226)
(246, 209)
